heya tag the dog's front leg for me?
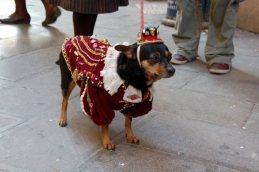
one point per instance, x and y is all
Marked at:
(107, 143)
(131, 138)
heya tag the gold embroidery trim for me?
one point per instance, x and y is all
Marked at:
(82, 56)
(89, 49)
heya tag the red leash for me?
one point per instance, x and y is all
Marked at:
(141, 16)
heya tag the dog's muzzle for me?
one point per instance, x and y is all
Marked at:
(170, 71)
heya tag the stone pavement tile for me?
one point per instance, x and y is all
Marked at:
(25, 65)
(17, 32)
(205, 142)
(245, 67)
(7, 122)
(252, 124)
(13, 46)
(46, 86)
(180, 79)
(247, 64)
(236, 84)
(249, 47)
(5, 83)
(198, 66)
(41, 91)
(7, 168)
(41, 145)
(135, 158)
(216, 109)
(22, 102)
(9, 6)
(154, 7)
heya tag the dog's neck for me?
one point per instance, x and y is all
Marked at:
(120, 70)
(132, 73)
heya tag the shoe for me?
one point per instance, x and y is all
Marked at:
(219, 68)
(179, 59)
(51, 18)
(12, 20)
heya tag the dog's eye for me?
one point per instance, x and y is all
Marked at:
(155, 57)
(169, 58)
(168, 55)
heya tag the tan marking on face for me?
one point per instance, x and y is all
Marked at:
(153, 72)
(168, 55)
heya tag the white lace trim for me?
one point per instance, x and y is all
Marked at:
(111, 79)
(81, 99)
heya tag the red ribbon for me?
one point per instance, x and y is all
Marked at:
(141, 16)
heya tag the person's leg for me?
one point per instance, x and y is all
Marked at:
(20, 16)
(52, 13)
(188, 28)
(222, 23)
(84, 23)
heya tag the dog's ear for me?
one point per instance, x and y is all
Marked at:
(122, 48)
(125, 49)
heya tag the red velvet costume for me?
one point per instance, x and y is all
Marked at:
(85, 58)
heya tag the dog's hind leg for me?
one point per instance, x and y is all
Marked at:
(67, 86)
(131, 138)
(65, 94)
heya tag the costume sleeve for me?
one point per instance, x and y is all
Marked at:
(102, 112)
(139, 109)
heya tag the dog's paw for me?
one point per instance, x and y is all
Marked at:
(132, 139)
(108, 145)
(62, 123)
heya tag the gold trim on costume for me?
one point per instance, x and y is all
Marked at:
(89, 48)
(82, 56)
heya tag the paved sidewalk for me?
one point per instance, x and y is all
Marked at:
(200, 122)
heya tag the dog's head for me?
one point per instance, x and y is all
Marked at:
(142, 65)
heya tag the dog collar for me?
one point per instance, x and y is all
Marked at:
(138, 55)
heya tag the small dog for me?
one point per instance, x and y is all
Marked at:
(112, 78)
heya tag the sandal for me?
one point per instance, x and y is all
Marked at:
(219, 68)
(51, 18)
(12, 20)
(179, 59)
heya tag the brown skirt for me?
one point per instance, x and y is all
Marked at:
(90, 6)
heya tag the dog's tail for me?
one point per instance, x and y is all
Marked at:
(58, 61)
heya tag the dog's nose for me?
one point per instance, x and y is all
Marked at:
(171, 71)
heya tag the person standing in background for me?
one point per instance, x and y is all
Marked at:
(85, 12)
(219, 50)
(21, 15)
